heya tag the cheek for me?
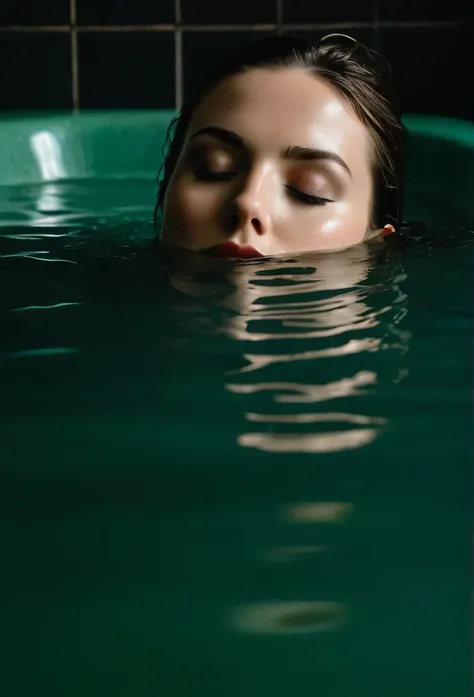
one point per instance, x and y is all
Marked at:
(325, 228)
(344, 229)
(178, 204)
(186, 211)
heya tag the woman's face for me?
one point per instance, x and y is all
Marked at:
(276, 160)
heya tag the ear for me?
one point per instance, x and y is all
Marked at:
(377, 236)
(387, 230)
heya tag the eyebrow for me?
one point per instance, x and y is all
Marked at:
(294, 152)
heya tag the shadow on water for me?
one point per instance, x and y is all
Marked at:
(234, 479)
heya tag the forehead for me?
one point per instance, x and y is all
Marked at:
(278, 107)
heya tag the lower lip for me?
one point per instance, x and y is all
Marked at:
(232, 250)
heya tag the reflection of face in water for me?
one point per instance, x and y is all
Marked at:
(308, 335)
(311, 295)
(265, 292)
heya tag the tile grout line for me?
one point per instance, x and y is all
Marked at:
(279, 16)
(232, 27)
(74, 55)
(178, 56)
(178, 26)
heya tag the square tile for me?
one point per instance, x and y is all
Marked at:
(234, 12)
(126, 70)
(125, 12)
(42, 77)
(422, 60)
(423, 10)
(366, 35)
(203, 51)
(301, 11)
(28, 13)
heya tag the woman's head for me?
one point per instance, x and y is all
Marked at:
(289, 147)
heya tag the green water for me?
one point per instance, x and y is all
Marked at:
(247, 482)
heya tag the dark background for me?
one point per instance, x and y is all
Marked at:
(145, 54)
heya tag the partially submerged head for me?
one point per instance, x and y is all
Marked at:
(289, 147)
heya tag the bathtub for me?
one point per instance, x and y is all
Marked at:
(43, 147)
(250, 485)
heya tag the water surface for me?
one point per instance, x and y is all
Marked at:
(244, 480)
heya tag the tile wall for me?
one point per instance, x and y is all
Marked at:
(148, 54)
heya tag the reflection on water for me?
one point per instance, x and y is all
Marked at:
(316, 300)
(289, 618)
(228, 479)
(317, 326)
(319, 512)
(307, 443)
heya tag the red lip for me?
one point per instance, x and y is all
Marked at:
(233, 250)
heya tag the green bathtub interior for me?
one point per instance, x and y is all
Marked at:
(90, 608)
(118, 144)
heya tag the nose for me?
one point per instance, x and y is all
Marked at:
(249, 211)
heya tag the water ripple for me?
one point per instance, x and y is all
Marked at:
(308, 442)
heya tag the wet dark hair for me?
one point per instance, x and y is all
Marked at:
(361, 75)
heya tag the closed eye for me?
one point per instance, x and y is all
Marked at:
(208, 176)
(308, 198)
